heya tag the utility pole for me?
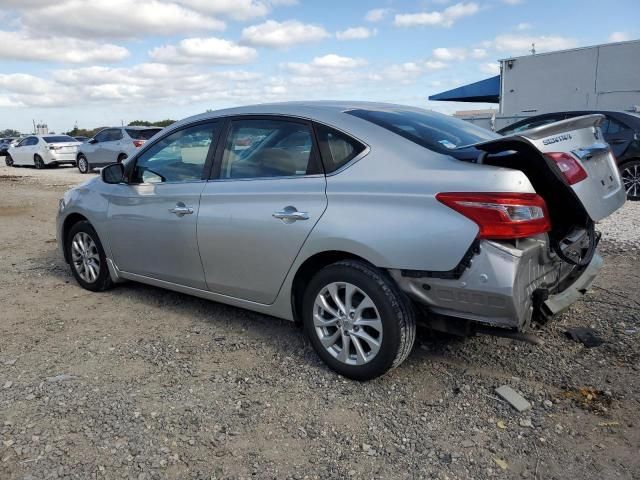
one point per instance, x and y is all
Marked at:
(533, 49)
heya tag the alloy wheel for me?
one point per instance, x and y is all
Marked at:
(631, 180)
(85, 257)
(347, 323)
(83, 165)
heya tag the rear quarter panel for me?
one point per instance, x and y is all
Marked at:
(383, 207)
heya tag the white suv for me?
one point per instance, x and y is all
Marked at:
(112, 145)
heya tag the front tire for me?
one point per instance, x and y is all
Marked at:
(357, 320)
(8, 160)
(87, 259)
(38, 162)
(83, 164)
(630, 173)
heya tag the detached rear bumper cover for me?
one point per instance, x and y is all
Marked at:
(498, 288)
(560, 302)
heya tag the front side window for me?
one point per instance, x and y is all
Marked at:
(179, 157)
(434, 131)
(337, 149)
(268, 148)
(102, 136)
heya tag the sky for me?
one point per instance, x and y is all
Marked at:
(103, 62)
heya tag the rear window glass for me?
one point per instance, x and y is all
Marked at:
(59, 139)
(337, 149)
(431, 130)
(142, 134)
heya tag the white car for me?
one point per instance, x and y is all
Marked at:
(41, 151)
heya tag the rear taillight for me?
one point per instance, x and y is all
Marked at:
(569, 166)
(138, 143)
(501, 215)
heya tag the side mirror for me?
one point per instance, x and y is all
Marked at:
(93, 140)
(113, 173)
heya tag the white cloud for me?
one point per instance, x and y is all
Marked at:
(204, 50)
(523, 26)
(356, 33)
(282, 34)
(377, 14)
(21, 46)
(118, 18)
(435, 65)
(449, 54)
(236, 9)
(445, 18)
(513, 44)
(490, 68)
(619, 37)
(327, 64)
(457, 54)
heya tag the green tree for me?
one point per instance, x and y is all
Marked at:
(9, 132)
(146, 123)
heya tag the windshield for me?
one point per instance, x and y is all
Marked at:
(431, 130)
(59, 139)
(142, 134)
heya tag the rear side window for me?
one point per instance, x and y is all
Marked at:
(59, 139)
(142, 134)
(437, 132)
(336, 148)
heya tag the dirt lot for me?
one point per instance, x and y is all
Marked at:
(143, 383)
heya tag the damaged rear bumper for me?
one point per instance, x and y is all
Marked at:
(503, 285)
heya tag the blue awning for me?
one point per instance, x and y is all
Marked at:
(487, 90)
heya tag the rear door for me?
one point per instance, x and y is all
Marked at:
(108, 149)
(267, 194)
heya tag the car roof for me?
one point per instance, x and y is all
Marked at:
(327, 111)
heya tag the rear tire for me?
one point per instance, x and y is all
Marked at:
(630, 173)
(38, 162)
(355, 304)
(87, 259)
(8, 160)
(122, 157)
(83, 164)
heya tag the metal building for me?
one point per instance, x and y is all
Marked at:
(603, 77)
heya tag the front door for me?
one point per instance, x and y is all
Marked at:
(152, 227)
(255, 215)
(23, 153)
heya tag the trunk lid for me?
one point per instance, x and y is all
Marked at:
(601, 193)
(66, 147)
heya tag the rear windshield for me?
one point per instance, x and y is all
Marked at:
(142, 134)
(59, 139)
(431, 130)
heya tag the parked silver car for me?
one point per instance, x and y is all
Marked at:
(112, 145)
(354, 219)
(43, 151)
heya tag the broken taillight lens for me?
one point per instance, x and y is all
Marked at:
(501, 215)
(569, 166)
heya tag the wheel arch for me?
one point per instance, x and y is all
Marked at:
(69, 222)
(308, 269)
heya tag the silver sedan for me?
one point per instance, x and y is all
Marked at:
(355, 219)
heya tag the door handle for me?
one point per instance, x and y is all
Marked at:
(290, 214)
(181, 210)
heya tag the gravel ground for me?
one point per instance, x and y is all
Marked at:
(143, 383)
